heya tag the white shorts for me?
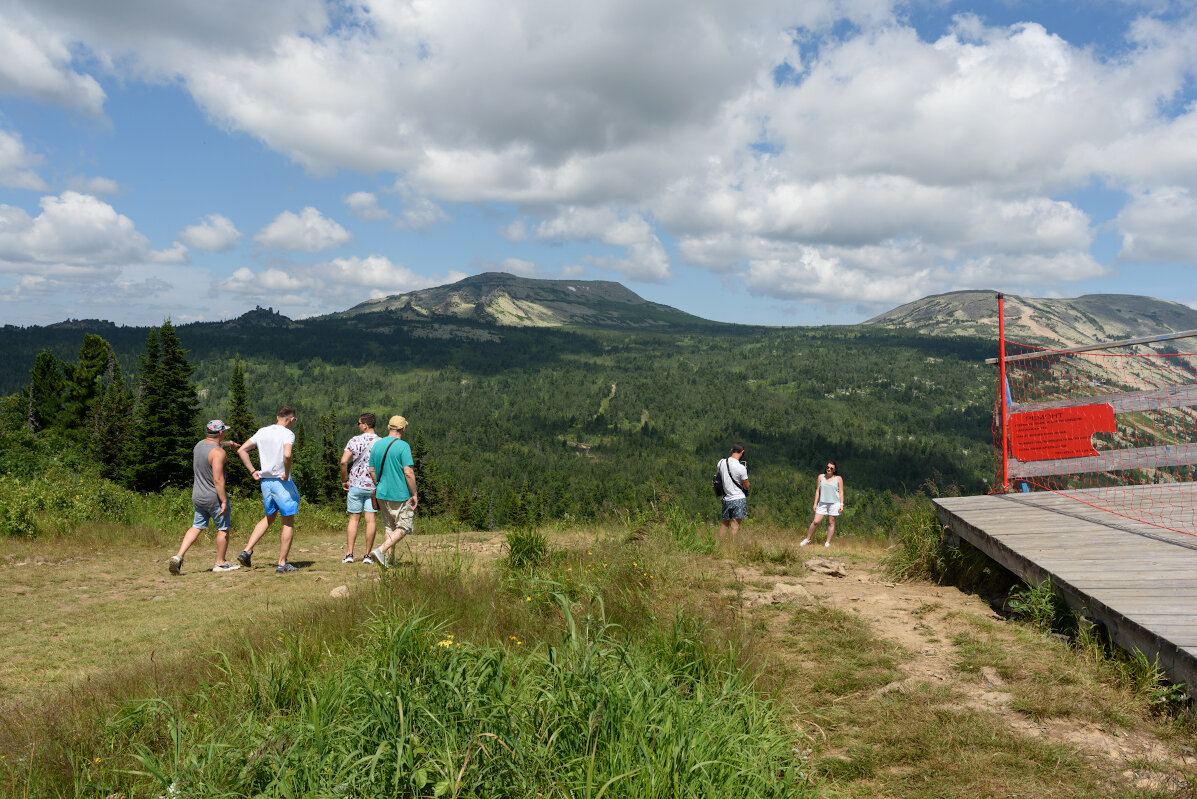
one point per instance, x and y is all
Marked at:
(829, 508)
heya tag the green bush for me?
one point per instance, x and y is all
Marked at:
(16, 511)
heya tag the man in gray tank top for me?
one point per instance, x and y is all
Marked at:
(208, 498)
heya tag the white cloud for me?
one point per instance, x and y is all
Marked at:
(265, 283)
(74, 233)
(327, 286)
(94, 185)
(307, 231)
(900, 163)
(364, 206)
(37, 63)
(1160, 225)
(644, 256)
(18, 165)
(214, 233)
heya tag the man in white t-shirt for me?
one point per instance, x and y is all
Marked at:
(280, 497)
(735, 490)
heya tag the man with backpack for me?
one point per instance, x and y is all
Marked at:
(731, 484)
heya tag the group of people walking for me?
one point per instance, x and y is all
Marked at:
(372, 488)
(732, 472)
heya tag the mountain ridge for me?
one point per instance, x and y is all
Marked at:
(510, 301)
(1090, 318)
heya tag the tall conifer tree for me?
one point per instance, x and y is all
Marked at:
(45, 391)
(84, 383)
(168, 407)
(329, 466)
(111, 423)
(242, 422)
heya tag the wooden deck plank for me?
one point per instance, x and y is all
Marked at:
(1138, 580)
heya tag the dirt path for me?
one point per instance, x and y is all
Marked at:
(931, 624)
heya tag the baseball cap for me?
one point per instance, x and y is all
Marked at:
(215, 426)
(397, 423)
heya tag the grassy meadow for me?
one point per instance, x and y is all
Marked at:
(633, 657)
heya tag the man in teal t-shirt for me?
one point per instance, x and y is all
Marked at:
(391, 469)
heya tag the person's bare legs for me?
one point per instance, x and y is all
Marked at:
(830, 529)
(351, 534)
(259, 530)
(371, 527)
(393, 537)
(222, 547)
(188, 539)
(284, 546)
(810, 531)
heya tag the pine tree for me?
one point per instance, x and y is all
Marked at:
(166, 424)
(429, 484)
(45, 391)
(303, 470)
(84, 383)
(111, 423)
(330, 458)
(242, 423)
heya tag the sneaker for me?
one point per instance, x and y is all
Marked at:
(174, 564)
(804, 543)
(348, 558)
(380, 560)
(828, 545)
(369, 561)
(286, 568)
(226, 567)
(243, 559)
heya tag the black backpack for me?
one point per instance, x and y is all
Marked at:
(717, 481)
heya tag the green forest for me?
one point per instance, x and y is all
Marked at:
(513, 426)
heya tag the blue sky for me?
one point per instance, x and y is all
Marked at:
(807, 162)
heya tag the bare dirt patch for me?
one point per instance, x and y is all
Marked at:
(933, 626)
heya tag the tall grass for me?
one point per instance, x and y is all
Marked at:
(411, 710)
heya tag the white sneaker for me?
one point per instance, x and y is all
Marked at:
(380, 559)
(348, 558)
(827, 544)
(174, 564)
(226, 567)
(804, 543)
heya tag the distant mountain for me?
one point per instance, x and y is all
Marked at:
(261, 317)
(1052, 322)
(506, 300)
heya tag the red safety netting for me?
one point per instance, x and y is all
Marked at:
(1114, 429)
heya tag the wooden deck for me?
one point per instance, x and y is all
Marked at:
(1137, 580)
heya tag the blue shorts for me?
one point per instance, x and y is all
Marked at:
(735, 508)
(223, 521)
(280, 496)
(359, 499)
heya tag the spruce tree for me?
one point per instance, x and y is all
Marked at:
(242, 423)
(429, 484)
(111, 423)
(84, 383)
(166, 426)
(45, 391)
(303, 470)
(330, 458)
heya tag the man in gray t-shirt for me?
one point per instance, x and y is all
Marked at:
(209, 500)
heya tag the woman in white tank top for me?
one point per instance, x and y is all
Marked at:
(829, 502)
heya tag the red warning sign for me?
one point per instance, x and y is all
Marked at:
(1059, 432)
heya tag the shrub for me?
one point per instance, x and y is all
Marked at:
(16, 511)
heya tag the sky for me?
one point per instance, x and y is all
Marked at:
(781, 162)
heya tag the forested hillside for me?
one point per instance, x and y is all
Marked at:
(516, 425)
